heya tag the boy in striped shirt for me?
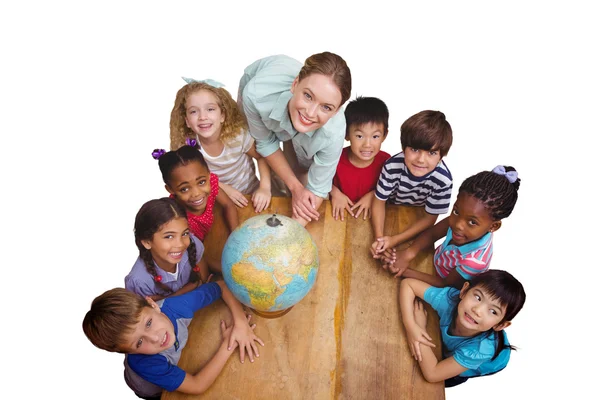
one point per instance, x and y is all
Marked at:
(417, 176)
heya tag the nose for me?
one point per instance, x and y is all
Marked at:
(202, 114)
(477, 308)
(421, 156)
(311, 110)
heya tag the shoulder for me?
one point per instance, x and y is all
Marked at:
(441, 299)
(395, 163)
(335, 129)
(270, 76)
(442, 172)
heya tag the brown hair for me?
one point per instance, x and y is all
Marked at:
(113, 314)
(427, 130)
(331, 65)
(233, 123)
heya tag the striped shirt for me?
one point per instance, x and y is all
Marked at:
(233, 166)
(398, 186)
(469, 259)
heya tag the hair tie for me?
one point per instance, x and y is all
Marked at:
(191, 142)
(157, 153)
(158, 278)
(209, 82)
(512, 176)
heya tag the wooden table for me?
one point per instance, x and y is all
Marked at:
(344, 340)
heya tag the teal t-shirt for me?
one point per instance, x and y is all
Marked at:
(474, 353)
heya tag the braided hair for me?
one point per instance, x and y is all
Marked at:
(149, 219)
(495, 190)
(184, 155)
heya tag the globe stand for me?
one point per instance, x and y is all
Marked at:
(272, 314)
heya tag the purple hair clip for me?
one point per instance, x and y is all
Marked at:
(191, 142)
(512, 176)
(157, 153)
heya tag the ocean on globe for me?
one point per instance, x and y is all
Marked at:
(270, 263)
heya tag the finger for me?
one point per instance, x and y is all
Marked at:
(255, 348)
(259, 341)
(426, 343)
(248, 348)
(209, 278)
(244, 201)
(223, 327)
(301, 214)
(231, 342)
(418, 352)
(349, 210)
(242, 353)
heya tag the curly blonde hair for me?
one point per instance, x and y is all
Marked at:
(233, 124)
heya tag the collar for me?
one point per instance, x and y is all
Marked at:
(469, 247)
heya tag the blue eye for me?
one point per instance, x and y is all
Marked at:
(149, 323)
(308, 97)
(326, 108)
(138, 344)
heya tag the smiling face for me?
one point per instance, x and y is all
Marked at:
(203, 114)
(315, 100)
(152, 334)
(478, 312)
(190, 184)
(169, 243)
(421, 162)
(470, 220)
(365, 143)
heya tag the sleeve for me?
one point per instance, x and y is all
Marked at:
(322, 170)
(247, 141)
(438, 299)
(471, 355)
(214, 185)
(140, 287)
(474, 263)
(186, 305)
(157, 370)
(385, 184)
(438, 202)
(267, 142)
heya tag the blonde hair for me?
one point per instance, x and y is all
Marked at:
(234, 121)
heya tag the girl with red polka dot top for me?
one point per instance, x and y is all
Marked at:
(189, 181)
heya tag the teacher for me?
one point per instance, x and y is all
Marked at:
(285, 101)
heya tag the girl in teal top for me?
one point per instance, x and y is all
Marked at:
(472, 323)
(285, 101)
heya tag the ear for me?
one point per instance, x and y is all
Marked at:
(464, 289)
(502, 326)
(171, 191)
(294, 84)
(146, 243)
(152, 303)
(495, 226)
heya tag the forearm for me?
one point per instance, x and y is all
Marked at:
(282, 168)
(428, 236)
(334, 191)
(406, 298)
(378, 217)
(264, 173)
(433, 280)
(234, 305)
(415, 229)
(429, 366)
(201, 381)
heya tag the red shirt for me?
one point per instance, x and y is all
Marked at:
(200, 224)
(355, 182)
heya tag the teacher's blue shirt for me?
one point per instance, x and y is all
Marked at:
(265, 91)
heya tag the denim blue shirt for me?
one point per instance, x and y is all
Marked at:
(264, 92)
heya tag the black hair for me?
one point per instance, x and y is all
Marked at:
(495, 191)
(364, 110)
(176, 158)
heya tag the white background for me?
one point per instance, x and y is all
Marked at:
(86, 94)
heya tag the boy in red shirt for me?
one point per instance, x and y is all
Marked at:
(360, 163)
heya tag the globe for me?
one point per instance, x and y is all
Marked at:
(270, 262)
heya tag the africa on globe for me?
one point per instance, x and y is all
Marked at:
(270, 262)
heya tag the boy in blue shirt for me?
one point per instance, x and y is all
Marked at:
(153, 335)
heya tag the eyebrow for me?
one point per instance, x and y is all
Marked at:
(483, 296)
(313, 95)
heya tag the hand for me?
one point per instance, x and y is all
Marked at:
(226, 332)
(380, 245)
(243, 334)
(235, 195)
(304, 204)
(417, 335)
(261, 199)
(364, 204)
(403, 258)
(339, 203)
